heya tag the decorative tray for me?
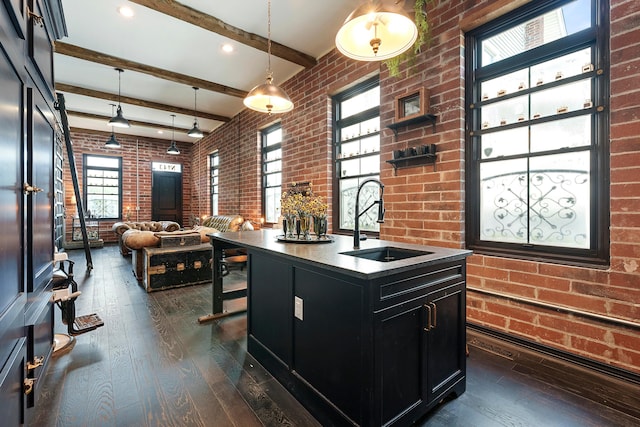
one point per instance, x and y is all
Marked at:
(314, 239)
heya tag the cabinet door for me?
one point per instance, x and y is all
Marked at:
(400, 354)
(270, 318)
(446, 341)
(12, 379)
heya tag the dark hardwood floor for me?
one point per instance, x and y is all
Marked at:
(152, 364)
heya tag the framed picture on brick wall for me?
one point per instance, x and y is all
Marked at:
(412, 104)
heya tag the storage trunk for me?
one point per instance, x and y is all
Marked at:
(166, 268)
(177, 240)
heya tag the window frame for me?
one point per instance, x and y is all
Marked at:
(215, 188)
(85, 186)
(264, 151)
(597, 37)
(337, 125)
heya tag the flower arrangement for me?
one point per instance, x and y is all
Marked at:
(298, 205)
(300, 201)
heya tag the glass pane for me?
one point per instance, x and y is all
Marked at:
(94, 181)
(560, 200)
(215, 160)
(107, 162)
(349, 168)
(370, 164)
(274, 155)
(348, 189)
(559, 68)
(272, 204)
(566, 20)
(505, 143)
(214, 203)
(503, 207)
(506, 84)
(273, 166)
(360, 102)
(350, 149)
(370, 145)
(368, 194)
(567, 133)
(505, 112)
(561, 99)
(274, 179)
(350, 132)
(274, 137)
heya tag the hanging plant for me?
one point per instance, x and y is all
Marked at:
(424, 38)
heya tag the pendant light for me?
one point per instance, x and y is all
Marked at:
(267, 97)
(173, 149)
(112, 142)
(376, 31)
(118, 120)
(195, 131)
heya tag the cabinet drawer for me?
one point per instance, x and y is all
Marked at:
(402, 287)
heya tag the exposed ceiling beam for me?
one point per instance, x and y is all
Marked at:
(115, 62)
(63, 87)
(211, 23)
(131, 122)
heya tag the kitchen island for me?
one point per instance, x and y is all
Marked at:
(369, 337)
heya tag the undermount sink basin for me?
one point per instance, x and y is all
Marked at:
(386, 254)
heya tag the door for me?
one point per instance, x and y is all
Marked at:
(166, 197)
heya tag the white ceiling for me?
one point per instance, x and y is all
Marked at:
(159, 40)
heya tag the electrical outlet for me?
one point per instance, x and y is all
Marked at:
(297, 307)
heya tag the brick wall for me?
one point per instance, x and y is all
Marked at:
(136, 183)
(425, 205)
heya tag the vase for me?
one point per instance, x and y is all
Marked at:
(289, 226)
(305, 227)
(320, 226)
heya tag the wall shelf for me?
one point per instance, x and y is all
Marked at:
(412, 161)
(425, 118)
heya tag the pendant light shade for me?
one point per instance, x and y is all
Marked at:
(267, 97)
(112, 142)
(173, 148)
(195, 131)
(118, 120)
(376, 31)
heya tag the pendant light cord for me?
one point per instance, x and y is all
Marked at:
(269, 38)
(195, 103)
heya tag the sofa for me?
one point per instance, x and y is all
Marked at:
(151, 226)
(149, 235)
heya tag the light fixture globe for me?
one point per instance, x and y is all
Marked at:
(268, 98)
(376, 32)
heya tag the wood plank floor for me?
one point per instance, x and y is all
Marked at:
(152, 364)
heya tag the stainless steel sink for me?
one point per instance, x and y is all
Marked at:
(386, 254)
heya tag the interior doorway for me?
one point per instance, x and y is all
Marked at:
(166, 192)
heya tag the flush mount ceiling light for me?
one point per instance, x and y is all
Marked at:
(376, 31)
(195, 131)
(118, 120)
(173, 149)
(267, 97)
(112, 142)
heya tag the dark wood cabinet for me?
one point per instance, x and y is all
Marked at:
(27, 136)
(359, 352)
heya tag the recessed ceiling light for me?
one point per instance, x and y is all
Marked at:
(126, 11)
(228, 48)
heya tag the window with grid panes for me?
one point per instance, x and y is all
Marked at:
(537, 142)
(214, 169)
(102, 186)
(357, 154)
(271, 172)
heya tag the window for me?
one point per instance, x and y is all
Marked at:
(214, 169)
(271, 172)
(537, 146)
(102, 186)
(357, 154)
